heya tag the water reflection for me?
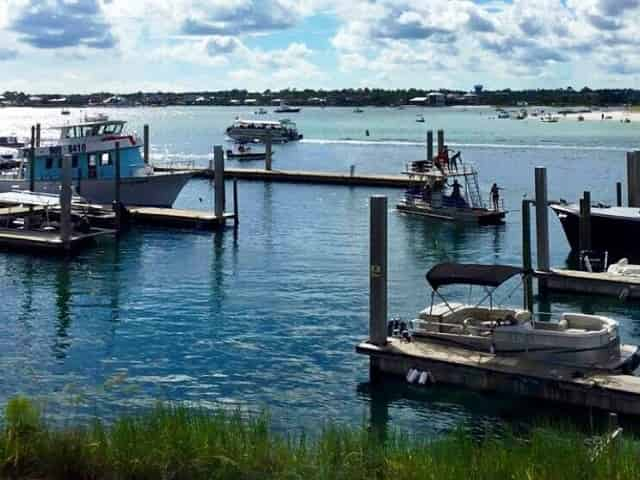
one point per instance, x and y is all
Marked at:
(63, 317)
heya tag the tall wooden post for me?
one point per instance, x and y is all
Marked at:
(542, 224)
(526, 255)
(584, 229)
(268, 151)
(440, 141)
(37, 135)
(236, 218)
(633, 178)
(146, 143)
(117, 204)
(430, 146)
(377, 279)
(218, 160)
(65, 203)
(32, 161)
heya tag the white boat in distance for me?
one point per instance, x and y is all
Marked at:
(576, 339)
(92, 146)
(281, 131)
(284, 108)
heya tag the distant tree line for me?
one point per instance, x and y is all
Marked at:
(345, 97)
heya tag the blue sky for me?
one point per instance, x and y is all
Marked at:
(64, 46)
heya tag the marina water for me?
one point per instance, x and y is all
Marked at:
(268, 318)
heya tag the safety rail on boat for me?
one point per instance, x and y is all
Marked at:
(457, 326)
(174, 165)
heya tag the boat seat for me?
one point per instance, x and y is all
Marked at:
(575, 331)
(560, 326)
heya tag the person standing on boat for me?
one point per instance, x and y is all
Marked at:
(495, 196)
(453, 161)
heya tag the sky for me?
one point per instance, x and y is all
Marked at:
(123, 46)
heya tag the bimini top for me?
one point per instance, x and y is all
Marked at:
(470, 274)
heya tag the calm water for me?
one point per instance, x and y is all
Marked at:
(269, 318)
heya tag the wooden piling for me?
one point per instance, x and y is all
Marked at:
(584, 229)
(218, 160)
(429, 145)
(37, 135)
(268, 152)
(633, 178)
(542, 219)
(526, 256)
(116, 200)
(378, 270)
(32, 161)
(146, 143)
(440, 141)
(619, 194)
(65, 203)
(236, 218)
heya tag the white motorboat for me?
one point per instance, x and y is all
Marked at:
(246, 131)
(549, 118)
(284, 108)
(575, 339)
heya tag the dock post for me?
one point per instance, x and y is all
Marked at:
(32, 161)
(236, 219)
(116, 200)
(377, 278)
(38, 135)
(440, 141)
(584, 240)
(633, 178)
(542, 223)
(268, 152)
(146, 143)
(65, 203)
(619, 194)
(526, 255)
(429, 145)
(218, 160)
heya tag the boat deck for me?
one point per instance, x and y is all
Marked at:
(178, 218)
(602, 283)
(484, 371)
(48, 241)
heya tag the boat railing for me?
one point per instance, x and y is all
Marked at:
(457, 326)
(176, 164)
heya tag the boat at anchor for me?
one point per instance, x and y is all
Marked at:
(574, 339)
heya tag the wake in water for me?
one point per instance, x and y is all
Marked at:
(413, 143)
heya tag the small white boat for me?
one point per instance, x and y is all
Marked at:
(503, 114)
(358, 110)
(247, 131)
(97, 117)
(420, 118)
(549, 118)
(284, 108)
(260, 111)
(575, 339)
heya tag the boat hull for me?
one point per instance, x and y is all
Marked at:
(614, 235)
(466, 215)
(157, 190)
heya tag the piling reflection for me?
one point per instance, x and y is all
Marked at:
(63, 315)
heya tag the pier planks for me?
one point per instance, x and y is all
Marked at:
(483, 371)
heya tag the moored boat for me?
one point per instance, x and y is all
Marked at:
(244, 152)
(575, 339)
(246, 131)
(284, 108)
(92, 146)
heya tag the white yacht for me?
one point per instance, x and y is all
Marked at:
(92, 146)
(575, 339)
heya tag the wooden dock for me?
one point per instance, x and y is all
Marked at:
(172, 217)
(290, 176)
(588, 283)
(484, 371)
(33, 240)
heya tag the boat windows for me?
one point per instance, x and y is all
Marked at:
(105, 159)
(48, 163)
(93, 159)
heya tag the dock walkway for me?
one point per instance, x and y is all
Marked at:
(291, 176)
(483, 371)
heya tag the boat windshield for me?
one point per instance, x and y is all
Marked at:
(92, 129)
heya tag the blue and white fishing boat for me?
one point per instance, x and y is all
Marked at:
(92, 146)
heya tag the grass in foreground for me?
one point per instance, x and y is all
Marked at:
(179, 443)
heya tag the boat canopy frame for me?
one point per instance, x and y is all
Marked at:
(489, 277)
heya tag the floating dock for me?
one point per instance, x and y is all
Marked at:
(591, 283)
(290, 176)
(48, 241)
(172, 217)
(484, 371)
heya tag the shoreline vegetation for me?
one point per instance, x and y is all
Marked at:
(175, 442)
(567, 97)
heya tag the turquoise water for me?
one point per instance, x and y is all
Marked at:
(268, 318)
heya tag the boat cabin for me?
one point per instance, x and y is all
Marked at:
(92, 146)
